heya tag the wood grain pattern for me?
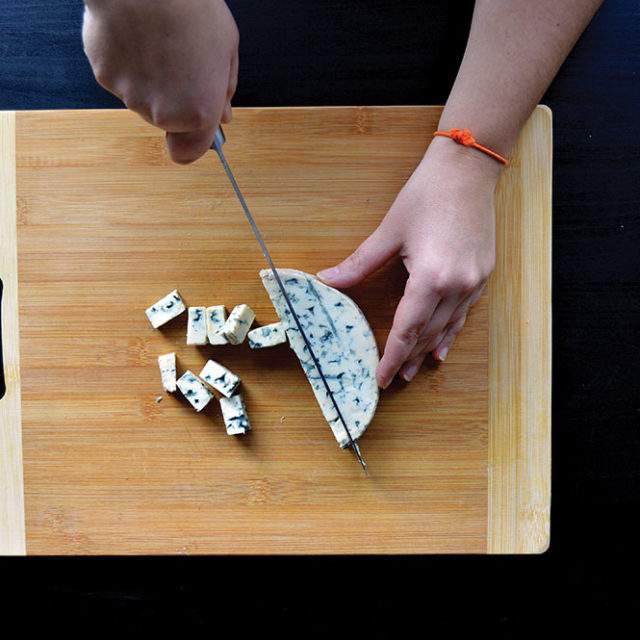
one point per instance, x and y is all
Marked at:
(520, 351)
(106, 226)
(12, 527)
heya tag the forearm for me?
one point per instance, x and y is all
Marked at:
(514, 51)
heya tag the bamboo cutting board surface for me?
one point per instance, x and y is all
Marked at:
(98, 224)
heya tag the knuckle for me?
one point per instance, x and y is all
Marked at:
(439, 283)
(188, 117)
(103, 78)
(136, 103)
(409, 335)
(468, 281)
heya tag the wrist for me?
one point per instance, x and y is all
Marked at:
(471, 161)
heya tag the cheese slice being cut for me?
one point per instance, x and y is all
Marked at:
(342, 341)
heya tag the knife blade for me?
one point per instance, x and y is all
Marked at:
(218, 141)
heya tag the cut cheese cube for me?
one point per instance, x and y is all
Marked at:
(167, 364)
(238, 323)
(267, 336)
(197, 326)
(165, 309)
(215, 319)
(220, 378)
(234, 414)
(194, 390)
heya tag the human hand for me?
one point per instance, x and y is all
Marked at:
(442, 225)
(174, 62)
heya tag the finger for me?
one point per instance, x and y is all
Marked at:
(441, 350)
(375, 251)
(413, 314)
(458, 320)
(409, 369)
(233, 75)
(227, 114)
(187, 147)
(436, 327)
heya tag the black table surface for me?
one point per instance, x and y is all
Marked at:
(357, 52)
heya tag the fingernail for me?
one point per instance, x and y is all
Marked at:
(409, 373)
(443, 354)
(328, 274)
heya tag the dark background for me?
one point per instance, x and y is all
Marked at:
(326, 52)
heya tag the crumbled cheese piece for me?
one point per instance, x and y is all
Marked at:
(197, 326)
(215, 319)
(267, 336)
(167, 364)
(194, 390)
(165, 309)
(238, 323)
(220, 378)
(234, 414)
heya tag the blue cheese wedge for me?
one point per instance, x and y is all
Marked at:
(267, 336)
(234, 414)
(197, 326)
(165, 309)
(194, 390)
(341, 339)
(215, 319)
(238, 323)
(167, 364)
(220, 378)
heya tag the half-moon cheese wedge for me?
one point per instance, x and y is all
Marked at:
(342, 341)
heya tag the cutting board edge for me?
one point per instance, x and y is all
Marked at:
(519, 473)
(12, 516)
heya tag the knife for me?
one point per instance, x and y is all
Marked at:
(218, 141)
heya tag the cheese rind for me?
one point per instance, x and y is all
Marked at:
(234, 414)
(197, 326)
(165, 309)
(194, 390)
(220, 378)
(167, 364)
(238, 323)
(342, 341)
(268, 335)
(215, 319)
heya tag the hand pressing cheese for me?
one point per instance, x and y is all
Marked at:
(167, 364)
(234, 414)
(165, 309)
(197, 326)
(267, 336)
(341, 339)
(194, 390)
(238, 323)
(220, 378)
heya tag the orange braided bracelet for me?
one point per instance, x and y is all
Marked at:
(465, 138)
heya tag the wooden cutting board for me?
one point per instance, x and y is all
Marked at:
(97, 224)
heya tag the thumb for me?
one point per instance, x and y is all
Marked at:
(186, 147)
(377, 249)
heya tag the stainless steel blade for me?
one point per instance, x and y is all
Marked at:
(218, 141)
